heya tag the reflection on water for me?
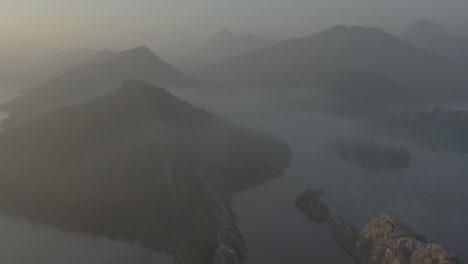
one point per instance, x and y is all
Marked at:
(22, 242)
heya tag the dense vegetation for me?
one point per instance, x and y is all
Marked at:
(136, 164)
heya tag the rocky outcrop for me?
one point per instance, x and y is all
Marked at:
(370, 155)
(232, 248)
(383, 240)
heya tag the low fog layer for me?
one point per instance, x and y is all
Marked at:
(267, 216)
(184, 132)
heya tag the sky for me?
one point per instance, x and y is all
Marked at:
(175, 26)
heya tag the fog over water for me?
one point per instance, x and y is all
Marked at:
(276, 232)
(108, 125)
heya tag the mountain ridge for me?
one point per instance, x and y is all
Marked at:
(138, 164)
(431, 37)
(297, 62)
(93, 79)
(221, 46)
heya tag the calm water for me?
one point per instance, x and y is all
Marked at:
(22, 242)
(430, 196)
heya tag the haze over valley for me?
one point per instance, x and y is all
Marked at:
(251, 132)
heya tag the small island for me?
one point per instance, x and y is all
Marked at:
(370, 155)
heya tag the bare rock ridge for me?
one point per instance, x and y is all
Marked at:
(138, 164)
(383, 240)
(232, 248)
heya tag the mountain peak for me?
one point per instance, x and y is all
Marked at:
(142, 51)
(353, 29)
(354, 34)
(424, 29)
(225, 33)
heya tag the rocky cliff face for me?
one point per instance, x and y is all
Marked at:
(384, 240)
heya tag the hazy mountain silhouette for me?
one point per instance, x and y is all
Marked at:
(429, 36)
(353, 92)
(137, 164)
(300, 61)
(31, 71)
(221, 46)
(99, 75)
(62, 63)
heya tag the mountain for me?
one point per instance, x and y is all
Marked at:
(138, 164)
(61, 63)
(298, 62)
(221, 46)
(431, 37)
(28, 70)
(100, 75)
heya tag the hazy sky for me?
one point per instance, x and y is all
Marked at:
(172, 25)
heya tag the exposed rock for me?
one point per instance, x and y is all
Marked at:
(384, 240)
(232, 248)
(433, 254)
(373, 156)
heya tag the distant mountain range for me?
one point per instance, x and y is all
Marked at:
(32, 70)
(138, 164)
(221, 46)
(101, 73)
(431, 37)
(298, 62)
